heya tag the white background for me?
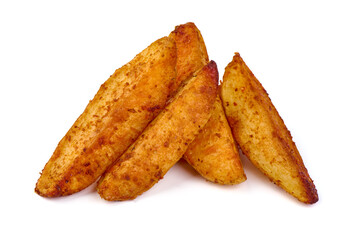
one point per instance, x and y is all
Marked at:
(54, 57)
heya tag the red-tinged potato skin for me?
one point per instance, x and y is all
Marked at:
(261, 133)
(191, 51)
(164, 141)
(122, 108)
(213, 153)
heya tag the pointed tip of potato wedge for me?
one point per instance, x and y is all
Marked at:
(191, 51)
(212, 71)
(261, 132)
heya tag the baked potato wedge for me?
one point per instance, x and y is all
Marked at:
(213, 153)
(164, 141)
(261, 133)
(191, 51)
(111, 122)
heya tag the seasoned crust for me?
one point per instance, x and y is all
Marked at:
(117, 115)
(191, 51)
(215, 158)
(214, 153)
(261, 132)
(164, 141)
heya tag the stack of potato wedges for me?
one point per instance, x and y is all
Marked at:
(167, 104)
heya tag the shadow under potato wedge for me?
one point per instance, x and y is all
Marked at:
(261, 133)
(213, 153)
(121, 109)
(164, 141)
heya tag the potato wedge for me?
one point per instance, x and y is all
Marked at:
(261, 133)
(164, 141)
(191, 51)
(213, 153)
(121, 109)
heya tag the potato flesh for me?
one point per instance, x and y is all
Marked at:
(261, 133)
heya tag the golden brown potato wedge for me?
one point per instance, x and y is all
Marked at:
(213, 153)
(121, 109)
(164, 141)
(261, 133)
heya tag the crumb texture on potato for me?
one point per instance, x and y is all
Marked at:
(164, 141)
(213, 153)
(261, 133)
(191, 51)
(121, 109)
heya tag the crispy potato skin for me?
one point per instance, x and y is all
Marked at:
(121, 109)
(164, 141)
(213, 153)
(191, 51)
(261, 133)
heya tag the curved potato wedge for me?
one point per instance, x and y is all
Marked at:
(261, 133)
(213, 153)
(121, 109)
(164, 141)
(191, 51)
